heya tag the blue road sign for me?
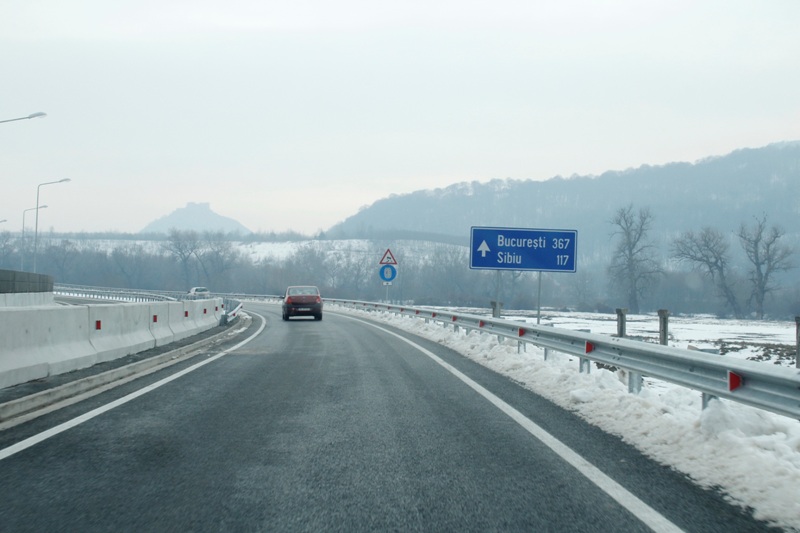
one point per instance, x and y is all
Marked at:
(545, 250)
(387, 272)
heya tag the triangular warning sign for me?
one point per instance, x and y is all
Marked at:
(388, 258)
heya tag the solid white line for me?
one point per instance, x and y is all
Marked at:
(649, 516)
(39, 437)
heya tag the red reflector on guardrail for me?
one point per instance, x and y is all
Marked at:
(205, 311)
(186, 314)
(734, 381)
(155, 318)
(521, 332)
(98, 324)
(481, 323)
(589, 347)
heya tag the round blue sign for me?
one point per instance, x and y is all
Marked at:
(387, 272)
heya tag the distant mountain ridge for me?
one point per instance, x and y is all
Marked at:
(195, 217)
(721, 192)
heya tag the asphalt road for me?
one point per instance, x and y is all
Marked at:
(335, 425)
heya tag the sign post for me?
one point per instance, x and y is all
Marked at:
(388, 271)
(541, 250)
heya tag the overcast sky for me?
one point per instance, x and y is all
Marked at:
(294, 114)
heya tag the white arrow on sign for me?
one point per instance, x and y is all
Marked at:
(483, 248)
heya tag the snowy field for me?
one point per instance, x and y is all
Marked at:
(751, 455)
(279, 251)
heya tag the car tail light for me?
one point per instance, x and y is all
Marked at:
(288, 299)
(319, 300)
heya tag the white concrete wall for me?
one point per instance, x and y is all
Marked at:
(36, 342)
(21, 299)
(118, 330)
(159, 323)
(180, 323)
(201, 312)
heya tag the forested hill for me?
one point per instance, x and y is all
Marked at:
(721, 192)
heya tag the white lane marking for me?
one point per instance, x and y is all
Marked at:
(39, 437)
(649, 516)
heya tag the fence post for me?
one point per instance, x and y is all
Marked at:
(497, 307)
(663, 326)
(621, 312)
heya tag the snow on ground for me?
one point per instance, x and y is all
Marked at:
(375, 249)
(751, 455)
(279, 251)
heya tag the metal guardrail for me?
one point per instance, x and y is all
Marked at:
(769, 387)
(121, 295)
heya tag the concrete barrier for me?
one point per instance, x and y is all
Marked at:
(120, 329)
(219, 312)
(159, 323)
(36, 342)
(202, 313)
(179, 322)
(26, 299)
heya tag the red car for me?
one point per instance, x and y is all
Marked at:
(302, 301)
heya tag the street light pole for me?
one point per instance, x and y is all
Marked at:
(32, 115)
(36, 230)
(22, 248)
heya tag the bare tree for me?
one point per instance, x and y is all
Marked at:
(350, 271)
(708, 251)
(583, 289)
(308, 266)
(60, 257)
(767, 257)
(6, 248)
(216, 257)
(133, 263)
(183, 246)
(633, 266)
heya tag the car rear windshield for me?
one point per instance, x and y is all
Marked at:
(296, 291)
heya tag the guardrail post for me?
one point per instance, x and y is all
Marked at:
(585, 365)
(621, 312)
(663, 326)
(634, 382)
(634, 378)
(797, 341)
(546, 349)
(707, 398)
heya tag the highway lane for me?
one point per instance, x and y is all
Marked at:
(335, 425)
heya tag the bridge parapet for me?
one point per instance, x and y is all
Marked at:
(20, 289)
